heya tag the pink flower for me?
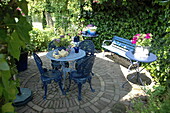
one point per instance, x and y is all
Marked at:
(137, 35)
(133, 41)
(147, 36)
(23, 14)
(134, 38)
(67, 49)
(95, 1)
(19, 9)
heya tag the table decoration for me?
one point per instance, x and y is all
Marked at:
(58, 54)
(90, 30)
(143, 43)
(63, 42)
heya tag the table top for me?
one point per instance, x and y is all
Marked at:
(88, 35)
(152, 57)
(72, 55)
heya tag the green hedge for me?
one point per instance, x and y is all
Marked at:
(126, 21)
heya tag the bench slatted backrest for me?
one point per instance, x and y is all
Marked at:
(124, 43)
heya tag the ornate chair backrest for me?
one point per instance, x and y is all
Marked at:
(51, 45)
(87, 46)
(39, 63)
(85, 66)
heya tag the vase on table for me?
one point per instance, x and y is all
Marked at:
(141, 52)
(92, 30)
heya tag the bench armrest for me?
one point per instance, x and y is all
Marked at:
(104, 42)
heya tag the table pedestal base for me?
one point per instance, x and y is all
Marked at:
(23, 98)
(138, 79)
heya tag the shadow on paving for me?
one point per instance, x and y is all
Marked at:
(146, 80)
(124, 62)
(106, 82)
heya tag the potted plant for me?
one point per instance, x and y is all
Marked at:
(22, 63)
(63, 42)
(63, 45)
(90, 29)
(143, 43)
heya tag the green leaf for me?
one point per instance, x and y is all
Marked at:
(23, 6)
(14, 45)
(7, 108)
(5, 77)
(3, 35)
(11, 91)
(10, 22)
(3, 63)
(22, 29)
(1, 89)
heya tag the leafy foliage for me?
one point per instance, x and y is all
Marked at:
(39, 39)
(158, 102)
(126, 20)
(14, 30)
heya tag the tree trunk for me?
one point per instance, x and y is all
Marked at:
(49, 20)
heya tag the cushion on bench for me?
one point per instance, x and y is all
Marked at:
(124, 43)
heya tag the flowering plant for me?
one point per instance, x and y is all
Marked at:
(142, 39)
(63, 41)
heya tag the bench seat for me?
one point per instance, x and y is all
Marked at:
(119, 46)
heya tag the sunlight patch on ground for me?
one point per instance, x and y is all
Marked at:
(102, 56)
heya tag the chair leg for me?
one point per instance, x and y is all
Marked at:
(69, 85)
(92, 73)
(104, 53)
(61, 88)
(79, 91)
(45, 89)
(89, 80)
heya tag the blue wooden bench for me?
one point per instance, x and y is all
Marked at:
(119, 46)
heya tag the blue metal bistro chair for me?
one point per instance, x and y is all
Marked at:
(82, 74)
(89, 47)
(48, 75)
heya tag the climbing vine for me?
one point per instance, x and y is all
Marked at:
(14, 30)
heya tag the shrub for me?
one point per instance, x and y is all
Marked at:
(158, 102)
(41, 38)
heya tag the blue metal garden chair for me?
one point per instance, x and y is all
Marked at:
(55, 64)
(89, 47)
(82, 74)
(48, 75)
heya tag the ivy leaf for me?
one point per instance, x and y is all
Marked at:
(23, 28)
(7, 108)
(14, 45)
(3, 64)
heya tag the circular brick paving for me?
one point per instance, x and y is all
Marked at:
(107, 84)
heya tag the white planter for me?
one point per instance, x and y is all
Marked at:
(141, 52)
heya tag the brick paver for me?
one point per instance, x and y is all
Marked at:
(109, 76)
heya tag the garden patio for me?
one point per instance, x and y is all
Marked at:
(29, 26)
(109, 96)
